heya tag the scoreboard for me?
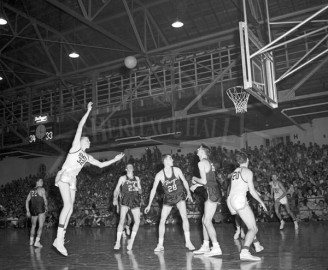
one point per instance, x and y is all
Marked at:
(42, 130)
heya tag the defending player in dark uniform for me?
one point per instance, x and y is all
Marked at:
(36, 206)
(130, 200)
(66, 178)
(208, 180)
(175, 188)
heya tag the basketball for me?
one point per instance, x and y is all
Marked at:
(130, 62)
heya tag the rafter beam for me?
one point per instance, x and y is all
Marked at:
(45, 48)
(208, 87)
(15, 34)
(42, 71)
(13, 115)
(12, 71)
(92, 25)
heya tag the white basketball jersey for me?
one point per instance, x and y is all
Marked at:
(74, 162)
(277, 191)
(238, 184)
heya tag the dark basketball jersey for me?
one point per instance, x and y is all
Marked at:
(173, 189)
(212, 186)
(130, 193)
(37, 203)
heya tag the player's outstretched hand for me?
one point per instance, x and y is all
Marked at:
(119, 156)
(193, 187)
(90, 106)
(193, 181)
(28, 214)
(189, 198)
(147, 209)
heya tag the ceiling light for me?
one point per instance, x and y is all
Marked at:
(177, 24)
(74, 55)
(1, 78)
(3, 20)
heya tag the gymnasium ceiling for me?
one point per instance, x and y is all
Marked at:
(35, 44)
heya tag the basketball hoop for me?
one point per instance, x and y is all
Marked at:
(239, 97)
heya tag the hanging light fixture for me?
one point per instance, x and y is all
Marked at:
(3, 20)
(177, 23)
(74, 54)
(1, 78)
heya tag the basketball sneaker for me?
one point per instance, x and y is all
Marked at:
(159, 248)
(38, 244)
(215, 251)
(296, 225)
(258, 247)
(203, 249)
(117, 246)
(245, 255)
(282, 224)
(31, 241)
(190, 246)
(59, 245)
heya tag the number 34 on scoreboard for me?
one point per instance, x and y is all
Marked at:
(41, 132)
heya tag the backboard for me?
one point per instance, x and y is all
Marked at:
(258, 70)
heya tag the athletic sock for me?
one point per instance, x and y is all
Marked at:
(133, 235)
(118, 237)
(161, 241)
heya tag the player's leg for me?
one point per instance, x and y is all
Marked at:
(73, 193)
(206, 238)
(181, 205)
(34, 220)
(124, 209)
(276, 209)
(161, 229)
(209, 211)
(41, 219)
(291, 214)
(247, 216)
(136, 217)
(65, 193)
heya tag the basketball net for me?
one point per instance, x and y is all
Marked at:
(239, 97)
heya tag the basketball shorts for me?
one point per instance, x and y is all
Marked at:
(37, 209)
(283, 200)
(173, 199)
(214, 194)
(131, 201)
(65, 177)
(236, 202)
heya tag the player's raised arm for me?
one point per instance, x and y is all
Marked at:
(77, 138)
(153, 191)
(102, 164)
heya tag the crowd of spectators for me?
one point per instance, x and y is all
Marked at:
(303, 170)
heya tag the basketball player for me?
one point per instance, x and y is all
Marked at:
(37, 212)
(208, 180)
(280, 197)
(130, 199)
(241, 182)
(175, 186)
(66, 178)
